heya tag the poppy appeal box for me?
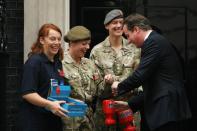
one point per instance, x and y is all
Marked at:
(60, 91)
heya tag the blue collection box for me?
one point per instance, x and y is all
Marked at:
(60, 91)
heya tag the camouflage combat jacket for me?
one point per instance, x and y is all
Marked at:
(85, 80)
(120, 64)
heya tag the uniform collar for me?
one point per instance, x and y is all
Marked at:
(106, 42)
(147, 35)
(70, 60)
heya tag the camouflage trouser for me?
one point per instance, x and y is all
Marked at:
(137, 120)
(85, 123)
(99, 119)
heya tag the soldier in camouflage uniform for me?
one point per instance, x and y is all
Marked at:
(116, 59)
(83, 77)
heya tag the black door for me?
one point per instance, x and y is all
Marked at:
(91, 14)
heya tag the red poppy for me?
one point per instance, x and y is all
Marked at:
(61, 73)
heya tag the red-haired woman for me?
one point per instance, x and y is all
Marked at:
(43, 64)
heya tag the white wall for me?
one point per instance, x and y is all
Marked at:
(38, 12)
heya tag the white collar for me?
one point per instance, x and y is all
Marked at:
(148, 33)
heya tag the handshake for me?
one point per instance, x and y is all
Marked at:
(110, 79)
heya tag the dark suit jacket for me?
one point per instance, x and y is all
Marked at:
(160, 74)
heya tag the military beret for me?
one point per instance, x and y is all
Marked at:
(115, 13)
(77, 33)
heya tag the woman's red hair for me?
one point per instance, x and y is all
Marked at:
(37, 47)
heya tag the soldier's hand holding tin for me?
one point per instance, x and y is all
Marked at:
(121, 104)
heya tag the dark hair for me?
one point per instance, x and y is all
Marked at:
(137, 20)
(37, 47)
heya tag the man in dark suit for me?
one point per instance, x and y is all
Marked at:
(160, 74)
